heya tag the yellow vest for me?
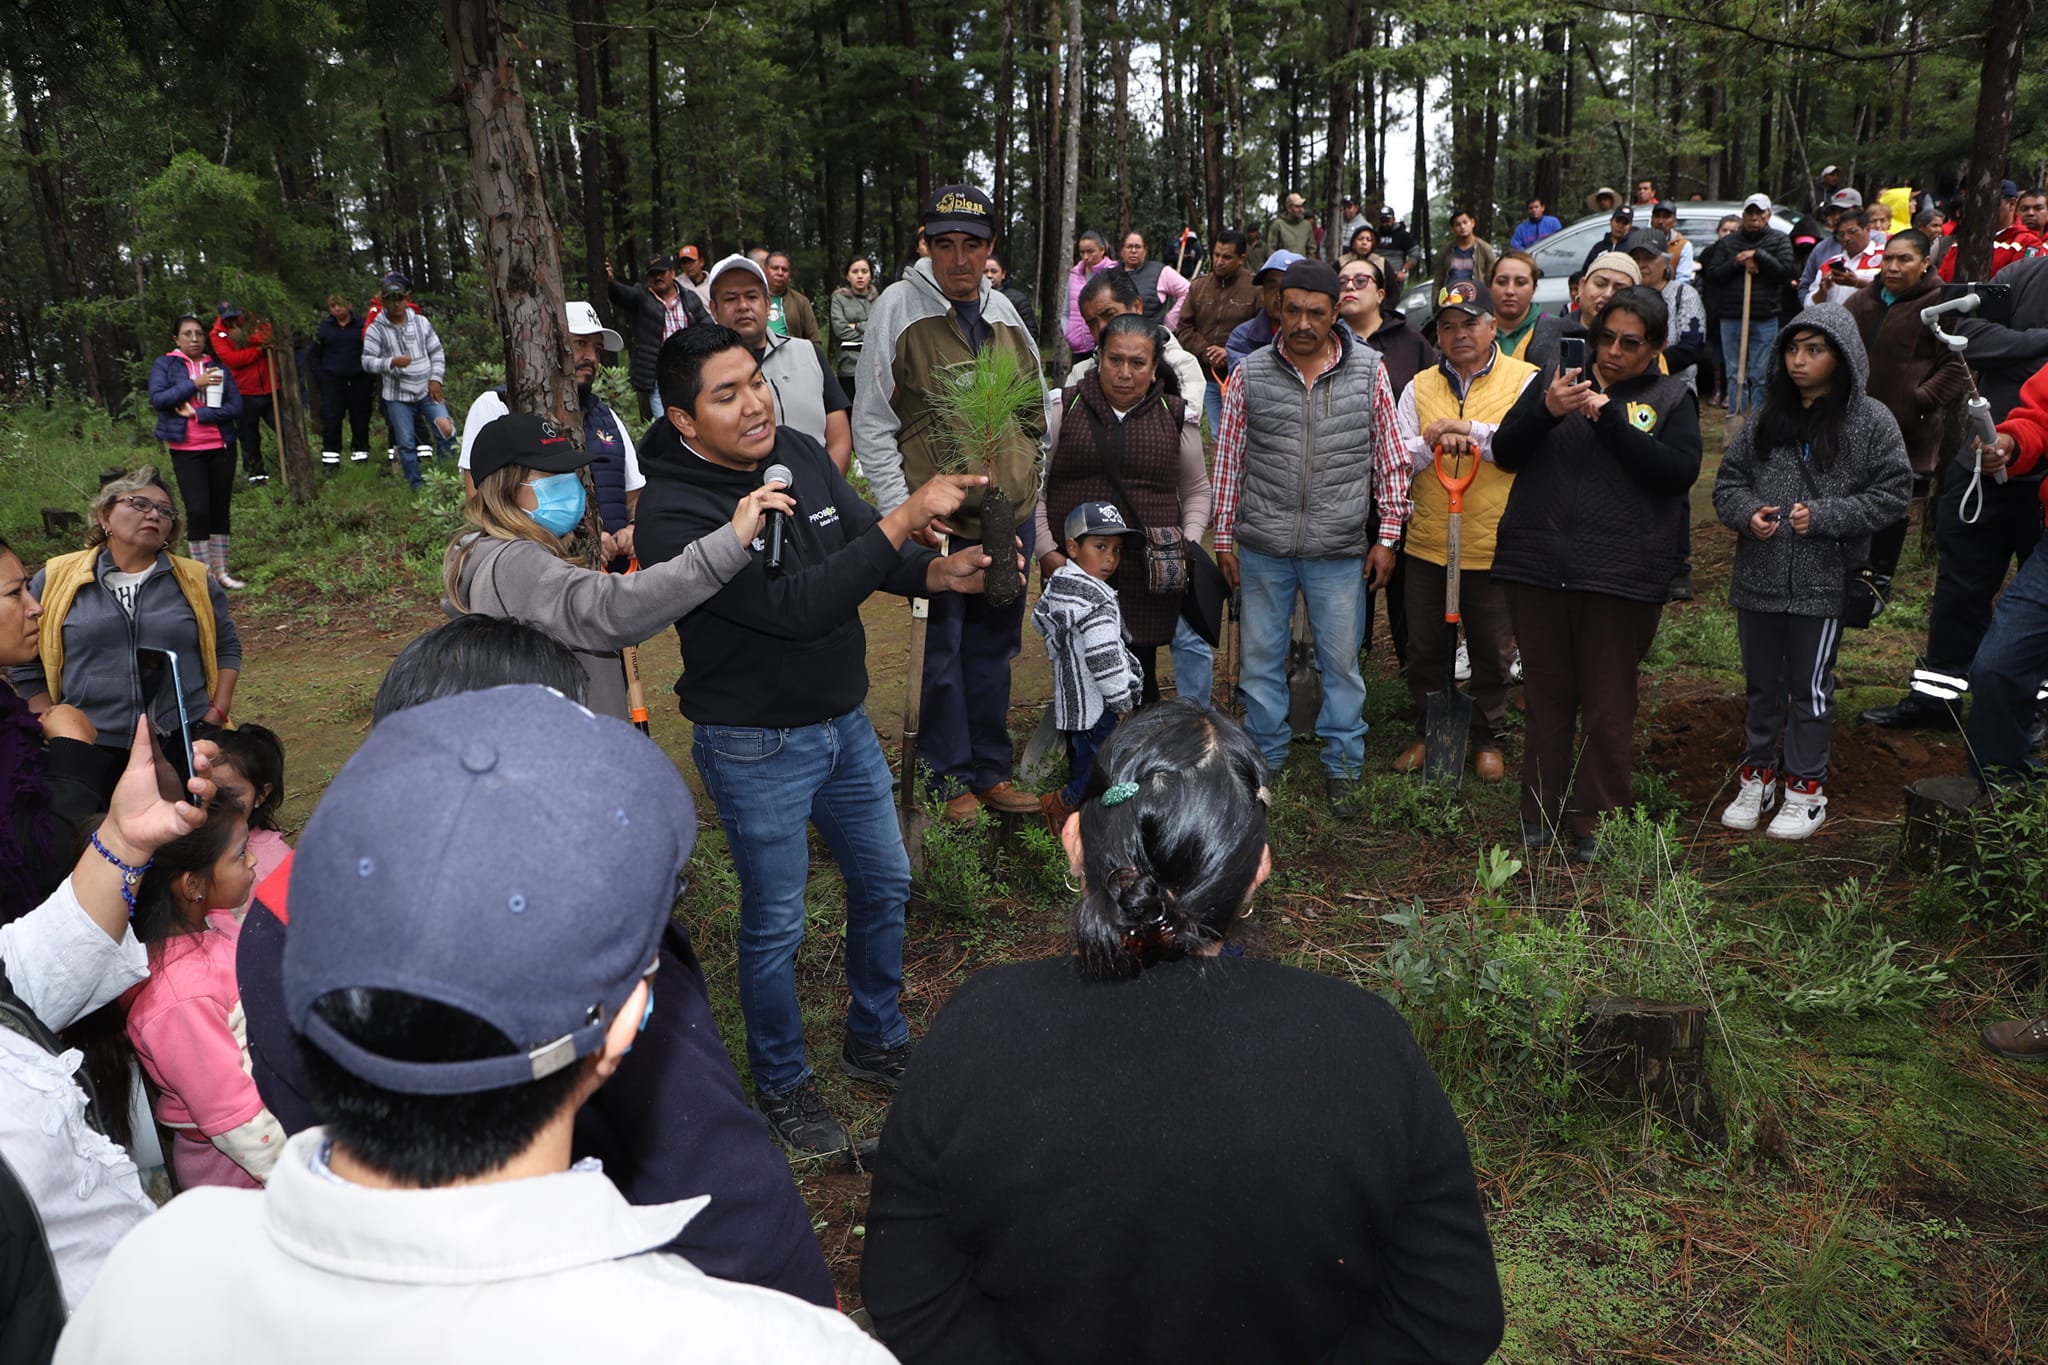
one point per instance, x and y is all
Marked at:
(1487, 400)
(66, 574)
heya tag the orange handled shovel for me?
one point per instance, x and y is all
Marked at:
(1447, 725)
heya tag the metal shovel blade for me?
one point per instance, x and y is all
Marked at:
(1447, 733)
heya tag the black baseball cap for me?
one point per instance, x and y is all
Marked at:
(1652, 240)
(1097, 519)
(1466, 296)
(506, 853)
(659, 263)
(959, 208)
(1313, 275)
(1624, 214)
(522, 438)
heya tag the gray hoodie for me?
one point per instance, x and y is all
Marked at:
(1867, 487)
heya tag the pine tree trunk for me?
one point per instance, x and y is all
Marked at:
(1214, 117)
(2004, 38)
(1070, 162)
(295, 452)
(522, 251)
(589, 178)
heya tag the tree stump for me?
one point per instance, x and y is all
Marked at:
(1939, 829)
(1650, 1052)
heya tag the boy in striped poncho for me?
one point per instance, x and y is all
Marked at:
(1096, 678)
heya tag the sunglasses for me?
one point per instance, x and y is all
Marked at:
(148, 507)
(1628, 343)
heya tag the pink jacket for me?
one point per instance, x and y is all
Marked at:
(1078, 336)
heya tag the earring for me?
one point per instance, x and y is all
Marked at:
(1245, 913)
(1073, 887)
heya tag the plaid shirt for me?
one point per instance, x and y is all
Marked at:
(1391, 469)
(673, 318)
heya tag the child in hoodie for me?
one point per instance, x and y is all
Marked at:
(1819, 467)
(1096, 678)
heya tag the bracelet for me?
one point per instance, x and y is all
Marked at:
(131, 877)
(212, 707)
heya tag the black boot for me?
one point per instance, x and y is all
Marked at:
(1912, 712)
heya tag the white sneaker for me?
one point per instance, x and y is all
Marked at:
(1515, 668)
(1802, 813)
(1462, 670)
(1757, 794)
(359, 457)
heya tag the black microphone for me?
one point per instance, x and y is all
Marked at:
(778, 520)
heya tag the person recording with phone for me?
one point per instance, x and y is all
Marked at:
(126, 591)
(521, 560)
(774, 685)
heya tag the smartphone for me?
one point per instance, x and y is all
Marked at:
(1571, 354)
(163, 701)
(1994, 301)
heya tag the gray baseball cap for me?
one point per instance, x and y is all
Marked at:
(506, 853)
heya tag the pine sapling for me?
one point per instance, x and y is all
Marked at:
(981, 405)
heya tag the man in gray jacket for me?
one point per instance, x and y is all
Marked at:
(403, 348)
(1308, 441)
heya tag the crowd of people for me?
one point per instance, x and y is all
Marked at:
(447, 1070)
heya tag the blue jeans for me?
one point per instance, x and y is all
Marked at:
(2005, 676)
(768, 786)
(1081, 745)
(1763, 332)
(403, 416)
(1335, 589)
(1194, 665)
(1212, 406)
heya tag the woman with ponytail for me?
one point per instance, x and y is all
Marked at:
(1158, 1148)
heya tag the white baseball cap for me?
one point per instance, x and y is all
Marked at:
(737, 261)
(1758, 201)
(584, 322)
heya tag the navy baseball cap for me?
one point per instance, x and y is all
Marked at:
(398, 280)
(1097, 519)
(523, 438)
(959, 208)
(505, 853)
(226, 311)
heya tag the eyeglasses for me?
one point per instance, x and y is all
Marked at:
(1627, 342)
(148, 507)
(1355, 281)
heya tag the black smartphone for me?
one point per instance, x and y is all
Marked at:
(1571, 354)
(163, 701)
(1994, 301)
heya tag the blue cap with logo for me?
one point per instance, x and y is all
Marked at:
(1097, 519)
(959, 208)
(506, 853)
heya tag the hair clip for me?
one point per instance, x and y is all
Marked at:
(1121, 792)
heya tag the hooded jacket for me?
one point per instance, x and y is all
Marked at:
(1865, 487)
(384, 341)
(775, 650)
(914, 330)
(1911, 373)
(1597, 505)
(1093, 669)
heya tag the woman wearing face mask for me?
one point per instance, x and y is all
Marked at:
(527, 559)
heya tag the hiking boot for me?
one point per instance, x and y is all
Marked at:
(2021, 1040)
(1488, 765)
(1410, 759)
(1344, 795)
(1757, 794)
(962, 809)
(1586, 850)
(800, 1121)
(1005, 797)
(881, 1066)
(1803, 811)
(1911, 712)
(1056, 810)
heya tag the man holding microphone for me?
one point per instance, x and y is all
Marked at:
(775, 677)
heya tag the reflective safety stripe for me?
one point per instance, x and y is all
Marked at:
(1943, 686)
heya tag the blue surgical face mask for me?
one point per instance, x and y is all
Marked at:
(648, 1013)
(557, 502)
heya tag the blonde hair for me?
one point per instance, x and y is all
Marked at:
(134, 481)
(494, 511)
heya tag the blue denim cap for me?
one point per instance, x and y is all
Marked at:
(506, 853)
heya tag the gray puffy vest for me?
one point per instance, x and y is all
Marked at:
(793, 369)
(1146, 277)
(1308, 456)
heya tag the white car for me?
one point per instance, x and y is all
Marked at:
(1560, 255)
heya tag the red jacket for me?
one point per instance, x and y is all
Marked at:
(246, 363)
(2011, 244)
(2027, 424)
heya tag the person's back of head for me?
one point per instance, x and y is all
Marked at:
(472, 653)
(474, 914)
(1171, 837)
